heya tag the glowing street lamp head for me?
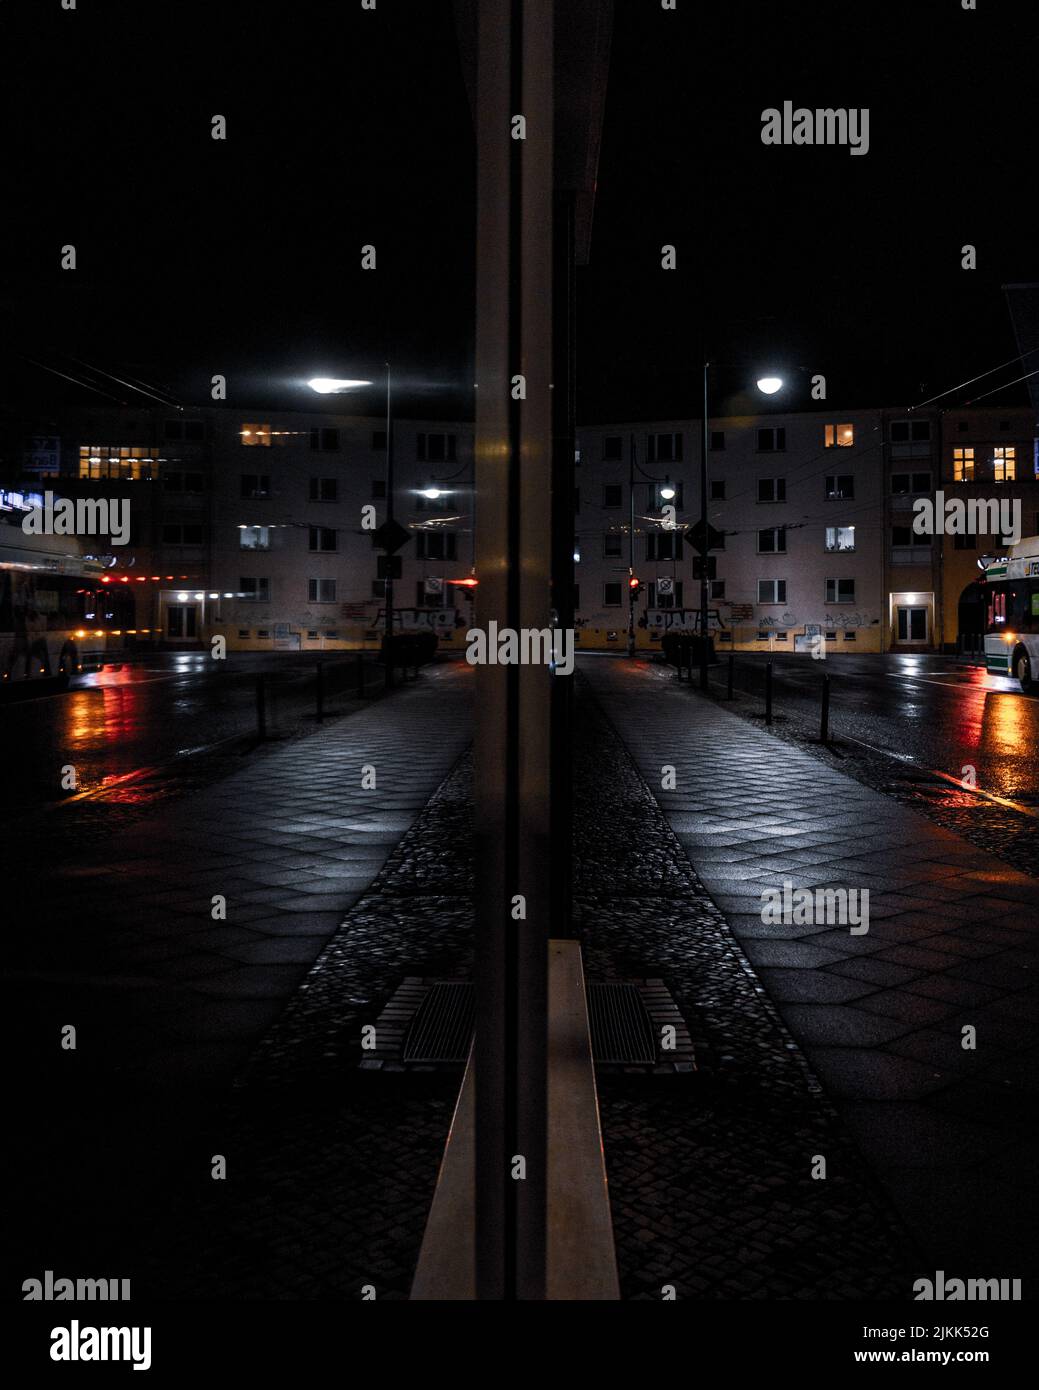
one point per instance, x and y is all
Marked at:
(770, 384)
(328, 385)
(431, 492)
(667, 491)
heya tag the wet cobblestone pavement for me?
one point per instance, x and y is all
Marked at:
(710, 1174)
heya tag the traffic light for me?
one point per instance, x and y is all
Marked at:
(634, 588)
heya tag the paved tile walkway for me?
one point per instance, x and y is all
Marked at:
(952, 941)
(129, 951)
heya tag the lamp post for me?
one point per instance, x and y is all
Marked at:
(667, 492)
(326, 386)
(768, 385)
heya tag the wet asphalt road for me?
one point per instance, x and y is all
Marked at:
(130, 731)
(919, 713)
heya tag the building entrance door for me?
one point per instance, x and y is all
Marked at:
(181, 621)
(912, 626)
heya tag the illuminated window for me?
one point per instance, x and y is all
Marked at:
(839, 436)
(257, 435)
(254, 538)
(131, 462)
(963, 465)
(840, 538)
(1004, 463)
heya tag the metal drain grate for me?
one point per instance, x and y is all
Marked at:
(621, 1030)
(442, 1029)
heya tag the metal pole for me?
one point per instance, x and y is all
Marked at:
(824, 721)
(261, 707)
(631, 544)
(704, 589)
(768, 691)
(389, 518)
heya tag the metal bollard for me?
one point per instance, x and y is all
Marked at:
(824, 719)
(732, 675)
(261, 707)
(768, 691)
(320, 690)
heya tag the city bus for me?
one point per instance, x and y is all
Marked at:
(59, 615)
(1011, 589)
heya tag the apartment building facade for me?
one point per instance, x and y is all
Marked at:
(256, 526)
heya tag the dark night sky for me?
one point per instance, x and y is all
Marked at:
(198, 256)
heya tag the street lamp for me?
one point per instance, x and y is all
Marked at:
(768, 386)
(326, 386)
(667, 491)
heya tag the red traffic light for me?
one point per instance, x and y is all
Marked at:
(634, 584)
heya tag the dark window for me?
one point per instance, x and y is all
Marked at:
(772, 541)
(772, 440)
(612, 447)
(378, 588)
(665, 448)
(840, 486)
(902, 431)
(321, 590)
(323, 538)
(612, 494)
(255, 589)
(324, 439)
(611, 595)
(182, 533)
(611, 547)
(840, 591)
(174, 429)
(771, 489)
(324, 489)
(256, 485)
(378, 488)
(905, 484)
(717, 439)
(905, 535)
(961, 424)
(435, 545)
(661, 545)
(717, 489)
(437, 448)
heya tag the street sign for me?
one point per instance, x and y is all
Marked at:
(390, 536)
(389, 566)
(665, 585)
(702, 540)
(434, 585)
